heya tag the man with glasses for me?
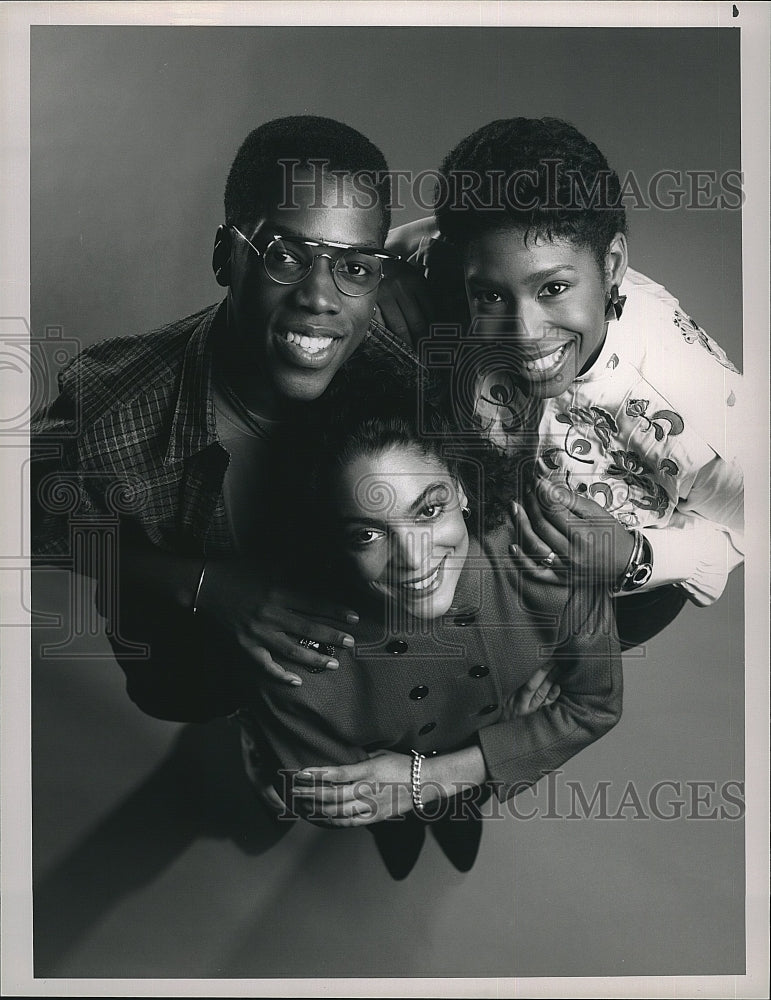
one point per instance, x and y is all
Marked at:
(171, 429)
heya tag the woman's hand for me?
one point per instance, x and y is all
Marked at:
(541, 690)
(381, 787)
(561, 533)
(355, 794)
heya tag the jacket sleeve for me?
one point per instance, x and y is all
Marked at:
(178, 668)
(58, 490)
(173, 670)
(520, 750)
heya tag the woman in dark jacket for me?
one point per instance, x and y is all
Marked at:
(435, 705)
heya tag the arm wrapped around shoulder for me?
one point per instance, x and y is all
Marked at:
(520, 751)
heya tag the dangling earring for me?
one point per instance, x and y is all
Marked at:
(615, 305)
(466, 512)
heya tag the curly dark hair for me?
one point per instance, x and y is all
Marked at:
(374, 403)
(257, 179)
(538, 174)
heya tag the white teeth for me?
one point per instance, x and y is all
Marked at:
(422, 584)
(549, 361)
(310, 344)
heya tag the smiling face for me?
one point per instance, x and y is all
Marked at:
(403, 529)
(285, 342)
(545, 298)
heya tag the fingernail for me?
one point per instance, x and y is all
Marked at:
(332, 664)
(352, 618)
(304, 776)
(513, 549)
(349, 641)
(514, 508)
(295, 681)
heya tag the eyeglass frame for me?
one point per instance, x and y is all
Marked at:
(380, 255)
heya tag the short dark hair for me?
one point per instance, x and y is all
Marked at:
(538, 174)
(256, 179)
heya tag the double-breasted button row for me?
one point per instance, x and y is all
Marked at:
(398, 647)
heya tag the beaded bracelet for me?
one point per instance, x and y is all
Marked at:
(198, 589)
(417, 796)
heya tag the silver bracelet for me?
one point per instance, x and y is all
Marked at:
(198, 588)
(417, 796)
(632, 563)
(639, 568)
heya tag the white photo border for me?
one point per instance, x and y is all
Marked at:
(15, 22)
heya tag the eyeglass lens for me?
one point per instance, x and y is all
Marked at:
(354, 272)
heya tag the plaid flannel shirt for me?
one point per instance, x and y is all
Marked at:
(132, 436)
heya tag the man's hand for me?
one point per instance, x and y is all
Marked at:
(269, 624)
(405, 302)
(562, 533)
(355, 794)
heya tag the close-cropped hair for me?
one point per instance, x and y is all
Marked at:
(540, 175)
(268, 158)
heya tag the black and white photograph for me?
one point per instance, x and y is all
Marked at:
(385, 524)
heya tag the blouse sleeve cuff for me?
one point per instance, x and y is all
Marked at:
(696, 555)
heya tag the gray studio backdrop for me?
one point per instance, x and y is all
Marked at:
(133, 131)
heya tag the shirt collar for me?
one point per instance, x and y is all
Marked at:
(193, 426)
(381, 335)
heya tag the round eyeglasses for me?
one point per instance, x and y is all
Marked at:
(290, 259)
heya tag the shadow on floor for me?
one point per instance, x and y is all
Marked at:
(198, 791)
